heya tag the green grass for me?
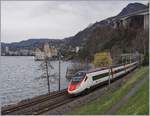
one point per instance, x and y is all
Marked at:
(106, 101)
(138, 104)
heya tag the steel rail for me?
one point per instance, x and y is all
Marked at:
(31, 103)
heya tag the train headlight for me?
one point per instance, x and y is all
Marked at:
(73, 87)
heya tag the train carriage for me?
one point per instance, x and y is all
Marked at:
(84, 80)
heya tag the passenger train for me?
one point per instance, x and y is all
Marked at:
(83, 80)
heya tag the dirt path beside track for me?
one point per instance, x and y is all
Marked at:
(126, 97)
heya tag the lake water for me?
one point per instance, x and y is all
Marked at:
(20, 78)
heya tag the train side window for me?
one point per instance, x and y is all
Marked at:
(85, 78)
(100, 76)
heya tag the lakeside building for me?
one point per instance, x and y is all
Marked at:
(7, 49)
(17, 52)
(40, 54)
(77, 49)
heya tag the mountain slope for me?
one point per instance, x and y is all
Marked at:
(31, 43)
(132, 7)
(97, 37)
(81, 37)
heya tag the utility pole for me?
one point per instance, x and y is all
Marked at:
(109, 75)
(126, 59)
(130, 58)
(59, 55)
(86, 64)
(122, 59)
(110, 72)
(46, 63)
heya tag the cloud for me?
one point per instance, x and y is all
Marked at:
(22, 20)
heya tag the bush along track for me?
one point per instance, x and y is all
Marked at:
(108, 100)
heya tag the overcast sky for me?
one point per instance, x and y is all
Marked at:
(22, 20)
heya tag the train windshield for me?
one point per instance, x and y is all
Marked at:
(78, 77)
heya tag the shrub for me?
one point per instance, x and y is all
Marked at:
(102, 59)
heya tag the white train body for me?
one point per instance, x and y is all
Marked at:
(86, 80)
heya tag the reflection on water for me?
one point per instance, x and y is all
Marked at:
(20, 78)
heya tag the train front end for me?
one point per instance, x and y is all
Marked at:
(75, 86)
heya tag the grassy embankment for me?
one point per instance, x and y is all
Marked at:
(138, 104)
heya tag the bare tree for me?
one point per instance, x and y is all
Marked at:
(46, 66)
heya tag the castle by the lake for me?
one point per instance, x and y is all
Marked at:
(46, 51)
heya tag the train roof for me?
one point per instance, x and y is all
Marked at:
(97, 69)
(93, 70)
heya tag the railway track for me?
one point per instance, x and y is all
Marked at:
(68, 99)
(22, 106)
(45, 103)
(55, 105)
